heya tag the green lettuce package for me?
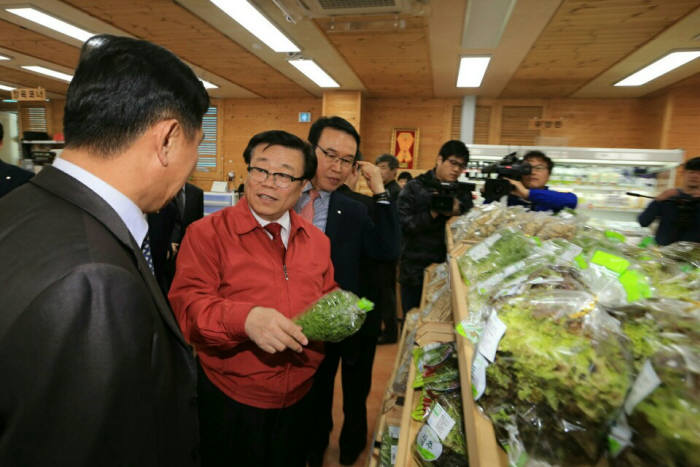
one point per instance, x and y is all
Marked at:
(335, 316)
(440, 441)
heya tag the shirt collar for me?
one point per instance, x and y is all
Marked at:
(323, 194)
(283, 220)
(126, 209)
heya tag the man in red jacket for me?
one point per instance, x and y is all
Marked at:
(242, 274)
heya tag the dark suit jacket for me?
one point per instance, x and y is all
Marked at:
(11, 177)
(94, 368)
(162, 233)
(357, 237)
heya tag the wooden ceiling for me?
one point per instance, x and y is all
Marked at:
(567, 48)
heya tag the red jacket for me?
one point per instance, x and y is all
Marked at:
(225, 267)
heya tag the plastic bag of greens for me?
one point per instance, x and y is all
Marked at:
(390, 443)
(687, 252)
(560, 374)
(436, 367)
(335, 316)
(441, 441)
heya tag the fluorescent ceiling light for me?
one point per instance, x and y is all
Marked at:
(49, 72)
(6, 88)
(2, 57)
(314, 72)
(659, 67)
(471, 71)
(208, 85)
(250, 18)
(52, 23)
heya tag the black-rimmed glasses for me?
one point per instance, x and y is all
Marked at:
(333, 157)
(281, 180)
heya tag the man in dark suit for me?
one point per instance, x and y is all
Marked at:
(11, 176)
(354, 236)
(94, 368)
(166, 229)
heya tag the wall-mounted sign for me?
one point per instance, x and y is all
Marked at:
(305, 117)
(404, 146)
(29, 94)
(537, 123)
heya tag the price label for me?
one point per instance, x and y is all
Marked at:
(647, 380)
(479, 376)
(440, 421)
(491, 336)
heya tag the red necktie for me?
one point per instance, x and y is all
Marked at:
(274, 228)
(307, 212)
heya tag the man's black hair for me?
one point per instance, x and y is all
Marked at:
(333, 122)
(692, 164)
(406, 175)
(456, 148)
(287, 140)
(542, 156)
(121, 87)
(392, 161)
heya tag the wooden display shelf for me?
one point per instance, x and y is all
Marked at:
(425, 334)
(483, 449)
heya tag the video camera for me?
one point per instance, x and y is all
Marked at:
(442, 198)
(508, 167)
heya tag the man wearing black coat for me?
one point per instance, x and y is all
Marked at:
(94, 368)
(423, 227)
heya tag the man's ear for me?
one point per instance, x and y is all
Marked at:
(438, 160)
(165, 133)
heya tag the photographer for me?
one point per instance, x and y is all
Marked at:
(678, 210)
(533, 192)
(425, 204)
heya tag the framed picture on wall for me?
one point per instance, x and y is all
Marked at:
(404, 146)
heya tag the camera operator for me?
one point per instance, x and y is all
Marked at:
(425, 204)
(533, 192)
(678, 210)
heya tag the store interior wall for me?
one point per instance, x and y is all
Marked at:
(10, 150)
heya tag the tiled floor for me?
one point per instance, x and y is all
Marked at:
(383, 365)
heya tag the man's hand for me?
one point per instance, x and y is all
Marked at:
(272, 331)
(670, 193)
(519, 189)
(373, 175)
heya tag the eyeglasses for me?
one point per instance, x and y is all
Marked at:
(539, 168)
(345, 162)
(281, 180)
(456, 163)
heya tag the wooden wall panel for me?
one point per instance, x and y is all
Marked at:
(56, 120)
(515, 125)
(345, 104)
(684, 125)
(433, 117)
(482, 123)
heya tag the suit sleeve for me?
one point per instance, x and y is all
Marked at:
(553, 200)
(652, 211)
(81, 358)
(381, 238)
(205, 317)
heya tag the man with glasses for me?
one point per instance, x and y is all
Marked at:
(533, 192)
(243, 273)
(355, 237)
(423, 228)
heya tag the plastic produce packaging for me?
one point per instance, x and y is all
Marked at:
(440, 441)
(335, 316)
(388, 448)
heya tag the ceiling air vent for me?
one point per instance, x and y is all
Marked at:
(320, 8)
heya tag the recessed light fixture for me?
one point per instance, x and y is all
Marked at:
(660, 67)
(471, 71)
(208, 85)
(250, 18)
(52, 23)
(3, 57)
(49, 72)
(314, 72)
(7, 88)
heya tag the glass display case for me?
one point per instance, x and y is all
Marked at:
(600, 177)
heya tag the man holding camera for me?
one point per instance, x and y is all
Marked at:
(533, 192)
(678, 209)
(425, 204)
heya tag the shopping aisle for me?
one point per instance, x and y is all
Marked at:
(383, 364)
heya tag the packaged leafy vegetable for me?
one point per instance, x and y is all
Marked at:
(441, 441)
(335, 316)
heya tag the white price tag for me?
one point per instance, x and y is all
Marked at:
(491, 336)
(647, 380)
(428, 444)
(620, 436)
(479, 376)
(394, 431)
(440, 421)
(394, 450)
(482, 249)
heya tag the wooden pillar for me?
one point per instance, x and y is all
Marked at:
(346, 104)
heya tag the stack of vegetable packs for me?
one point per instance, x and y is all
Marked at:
(585, 348)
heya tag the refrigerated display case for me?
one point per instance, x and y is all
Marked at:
(600, 177)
